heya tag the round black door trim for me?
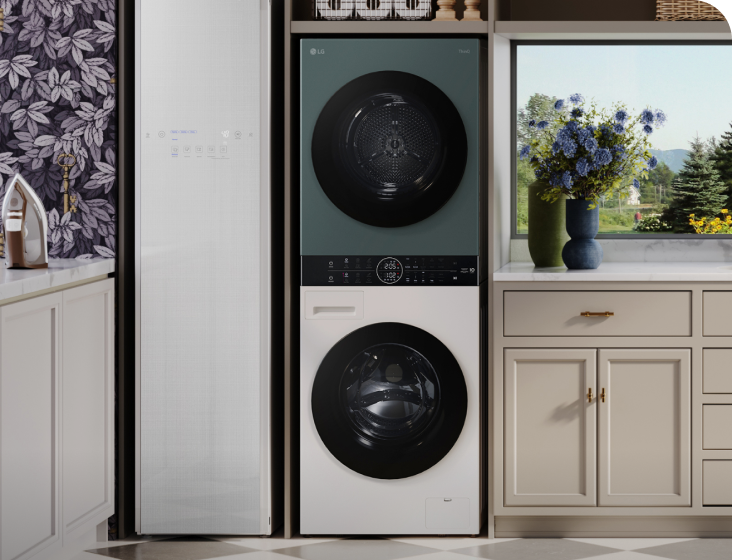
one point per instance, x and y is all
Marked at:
(384, 457)
(389, 149)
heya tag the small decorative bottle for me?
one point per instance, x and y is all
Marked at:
(472, 11)
(446, 11)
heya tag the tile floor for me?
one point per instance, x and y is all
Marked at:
(416, 548)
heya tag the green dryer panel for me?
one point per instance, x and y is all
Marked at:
(453, 65)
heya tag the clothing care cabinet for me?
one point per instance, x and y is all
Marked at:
(611, 405)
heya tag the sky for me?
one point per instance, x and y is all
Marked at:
(692, 84)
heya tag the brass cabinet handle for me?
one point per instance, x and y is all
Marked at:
(589, 395)
(597, 314)
(602, 395)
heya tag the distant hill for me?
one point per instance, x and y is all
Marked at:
(673, 158)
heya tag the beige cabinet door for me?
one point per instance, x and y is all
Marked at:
(87, 406)
(644, 427)
(550, 427)
(29, 426)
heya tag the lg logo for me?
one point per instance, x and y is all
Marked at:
(317, 51)
(461, 51)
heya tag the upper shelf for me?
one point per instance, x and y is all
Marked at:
(390, 27)
(615, 30)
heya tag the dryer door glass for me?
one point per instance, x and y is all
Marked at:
(389, 149)
(389, 400)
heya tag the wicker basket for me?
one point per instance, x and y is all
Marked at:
(686, 10)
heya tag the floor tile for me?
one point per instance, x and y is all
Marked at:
(273, 543)
(443, 555)
(183, 548)
(537, 549)
(697, 549)
(269, 555)
(449, 543)
(630, 543)
(357, 549)
(624, 555)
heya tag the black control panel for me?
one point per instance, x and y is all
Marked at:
(389, 271)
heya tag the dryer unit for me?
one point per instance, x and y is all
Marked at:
(206, 452)
(390, 410)
(390, 147)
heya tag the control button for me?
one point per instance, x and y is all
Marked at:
(212, 149)
(199, 149)
(161, 134)
(237, 135)
(330, 279)
(222, 149)
(174, 149)
(330, 264)
(186, 149)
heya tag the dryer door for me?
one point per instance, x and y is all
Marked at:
(389, 401)
(389, 149)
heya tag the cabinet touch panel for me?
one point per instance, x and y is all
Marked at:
(201, 210)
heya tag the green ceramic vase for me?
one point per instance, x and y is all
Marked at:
(547, 227)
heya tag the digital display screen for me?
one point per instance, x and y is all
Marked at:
(389, 270)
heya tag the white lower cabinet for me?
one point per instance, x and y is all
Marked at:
(56, 419)
(645, 427)
(87, 406)
(636, 401)
(29, 426)
(550, 428)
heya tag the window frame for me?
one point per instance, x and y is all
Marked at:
(514, 149)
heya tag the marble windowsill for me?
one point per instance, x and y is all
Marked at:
(15, 283)
(620, 272)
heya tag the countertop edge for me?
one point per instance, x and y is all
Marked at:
(620, 272)
(25, 283)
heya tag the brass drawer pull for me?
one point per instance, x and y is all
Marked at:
(602, 395)
(589, 395)
(597, 314)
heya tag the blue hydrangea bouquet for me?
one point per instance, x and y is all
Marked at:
(586, 153)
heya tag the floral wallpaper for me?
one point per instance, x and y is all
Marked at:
(57, 58)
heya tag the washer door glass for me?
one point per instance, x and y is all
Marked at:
(389, 149)
(389, 400)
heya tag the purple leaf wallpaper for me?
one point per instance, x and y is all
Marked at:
(57, 61)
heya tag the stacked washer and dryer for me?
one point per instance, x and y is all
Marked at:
(390, 364)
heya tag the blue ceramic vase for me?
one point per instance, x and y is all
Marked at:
(582, 251)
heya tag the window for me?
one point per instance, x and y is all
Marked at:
(690, 82)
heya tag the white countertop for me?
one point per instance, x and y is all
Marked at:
(619, 272)
(23, 282)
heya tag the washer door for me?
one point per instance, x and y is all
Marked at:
(389, 149)
(389, 401)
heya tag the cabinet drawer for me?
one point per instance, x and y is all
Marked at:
(717, 422)
(717, 483)
(717, 370)
(559, 313)
(717, 313)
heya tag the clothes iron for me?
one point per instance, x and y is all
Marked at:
(26, 227)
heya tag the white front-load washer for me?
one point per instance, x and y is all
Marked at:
(390, 410)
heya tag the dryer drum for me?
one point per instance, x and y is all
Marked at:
(389, 401)
(389, 149)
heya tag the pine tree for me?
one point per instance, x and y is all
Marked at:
(722, 160)
(697, 190)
